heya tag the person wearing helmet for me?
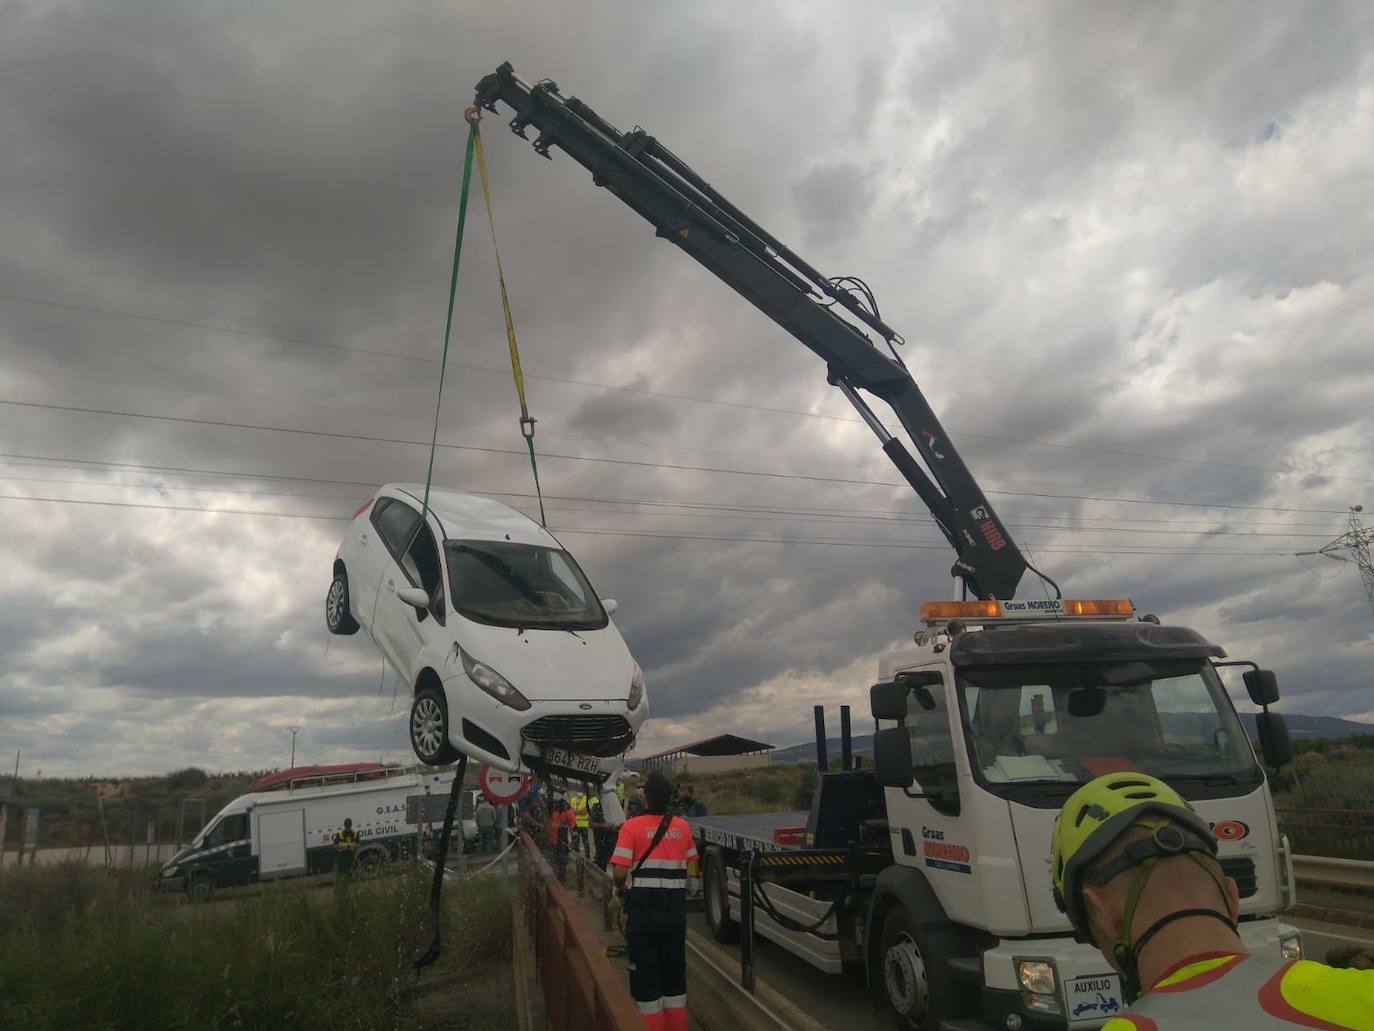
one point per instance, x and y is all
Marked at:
(1136, 873)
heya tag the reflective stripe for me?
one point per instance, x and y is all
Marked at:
(674, 1001)
(664, 864)
(624, 853)
(659, 882)
(649, 1007)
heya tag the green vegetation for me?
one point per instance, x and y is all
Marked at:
(1326, 798)
(778, 788)
(91, 949)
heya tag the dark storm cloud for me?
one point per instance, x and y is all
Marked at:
(1081, 220)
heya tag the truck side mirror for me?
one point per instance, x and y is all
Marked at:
(892, 757)
(1262, 685)
(887, 700)
(1273, 735)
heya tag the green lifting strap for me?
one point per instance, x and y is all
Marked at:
(452, 291)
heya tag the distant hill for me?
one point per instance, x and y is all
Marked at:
(1300, 728)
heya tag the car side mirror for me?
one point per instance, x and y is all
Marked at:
(1273, 738)
(610, 605)
(892, 758)
(1262, 685)
(415, 597)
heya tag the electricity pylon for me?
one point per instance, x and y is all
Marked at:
(1353, 544)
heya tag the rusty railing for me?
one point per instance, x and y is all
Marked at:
(1338, 833)
(579, 986)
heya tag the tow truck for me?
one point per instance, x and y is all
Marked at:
(930, 870)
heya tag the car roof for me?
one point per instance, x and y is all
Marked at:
(474, 517)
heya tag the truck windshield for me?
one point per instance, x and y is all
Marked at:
(1066, 724)
(503, 583)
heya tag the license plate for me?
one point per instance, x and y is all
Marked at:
(1094, 997)
(572, 761)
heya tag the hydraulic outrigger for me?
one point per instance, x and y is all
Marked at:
(684, 209)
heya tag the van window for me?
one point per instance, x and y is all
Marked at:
(233, 827)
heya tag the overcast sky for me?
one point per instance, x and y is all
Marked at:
(1129, 246)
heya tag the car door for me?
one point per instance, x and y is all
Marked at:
(408, 631)
(363, 557)
(395, 525)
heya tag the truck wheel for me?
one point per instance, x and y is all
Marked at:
(716, 888)
(914, 974)
(429, 728)
(370, 861)
(337, 617)
(202, 888)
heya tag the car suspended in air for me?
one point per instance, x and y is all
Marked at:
(509, 655)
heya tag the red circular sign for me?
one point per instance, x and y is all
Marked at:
(502, 788)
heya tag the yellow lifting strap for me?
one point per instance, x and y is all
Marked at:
(527, 422)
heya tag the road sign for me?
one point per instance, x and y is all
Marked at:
(31, 828)
(502, 788)
(428, 808)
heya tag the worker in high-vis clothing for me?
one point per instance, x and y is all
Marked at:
(345, 849)
(580, 808)
(1135, 871)
(652, 852)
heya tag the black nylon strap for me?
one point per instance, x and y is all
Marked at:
(661, 830)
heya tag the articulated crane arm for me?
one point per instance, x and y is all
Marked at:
(684, 209)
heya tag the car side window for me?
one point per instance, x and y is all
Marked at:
(396, 523)
(230, 829)
(932, 746)
(421, 565)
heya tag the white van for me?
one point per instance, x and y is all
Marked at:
(510, 656)
(290, 833)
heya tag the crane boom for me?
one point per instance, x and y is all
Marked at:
(686, 210)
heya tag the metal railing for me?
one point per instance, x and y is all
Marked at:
(580, 988)
(1334, 873)
(1338, 833)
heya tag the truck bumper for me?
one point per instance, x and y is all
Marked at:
(170, 884)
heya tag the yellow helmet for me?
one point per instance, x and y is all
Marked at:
(1100, 812)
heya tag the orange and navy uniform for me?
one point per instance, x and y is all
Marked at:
(1226, 990)
(656, 919)
(561, 818)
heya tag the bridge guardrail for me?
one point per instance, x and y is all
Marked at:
(1338, 833)
(1335, 873)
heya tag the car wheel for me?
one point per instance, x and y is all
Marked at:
(716, 887)
(429, 728)
(201, 888)
(337, 616)
(914, 974)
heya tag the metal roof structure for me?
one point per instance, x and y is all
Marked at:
(721, 744)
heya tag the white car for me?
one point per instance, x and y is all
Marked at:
(510, 656)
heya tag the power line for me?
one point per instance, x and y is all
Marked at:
(828, 542)
(337, 435)
(473, 367)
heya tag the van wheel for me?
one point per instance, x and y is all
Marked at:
(429, 728)
(915, 974)
(337, 617)
(202, 888)
(716, 888)
(370, 861)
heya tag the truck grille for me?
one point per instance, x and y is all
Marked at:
(603, 735)
(1242, 868)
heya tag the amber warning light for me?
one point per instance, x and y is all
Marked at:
(1050, 608)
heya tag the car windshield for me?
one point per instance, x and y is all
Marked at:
(1066, 724)
(503, 583)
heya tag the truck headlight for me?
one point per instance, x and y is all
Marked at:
(636, 689)
(1290, 946)
(493, 683)
(1039, 985)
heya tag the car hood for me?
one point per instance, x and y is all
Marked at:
(553, 665)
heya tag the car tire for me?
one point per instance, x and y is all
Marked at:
(201, 888)
(715, 887)
(914, 974)
(337, 615)
(429, 728)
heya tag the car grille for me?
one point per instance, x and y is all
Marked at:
(602, 735)
(1242, 868)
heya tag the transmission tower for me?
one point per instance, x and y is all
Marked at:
(1353, 544)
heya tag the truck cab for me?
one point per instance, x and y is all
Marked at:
(987, 724)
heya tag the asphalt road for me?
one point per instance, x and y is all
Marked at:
(842, 1002)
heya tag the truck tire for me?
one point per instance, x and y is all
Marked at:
(716, 889)
(915, 974)
(371, 860)
(429, 728)
(201, 888)
(338, 618)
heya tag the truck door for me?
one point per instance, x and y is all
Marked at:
(281, 843)
(226, 853)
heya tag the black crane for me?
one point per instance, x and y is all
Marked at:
(684, 209)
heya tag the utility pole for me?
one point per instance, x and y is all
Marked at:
(1354, 544)
(294, 732)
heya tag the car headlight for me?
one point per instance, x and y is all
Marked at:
(636, 689)
(1290, 946)
(493, 683)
